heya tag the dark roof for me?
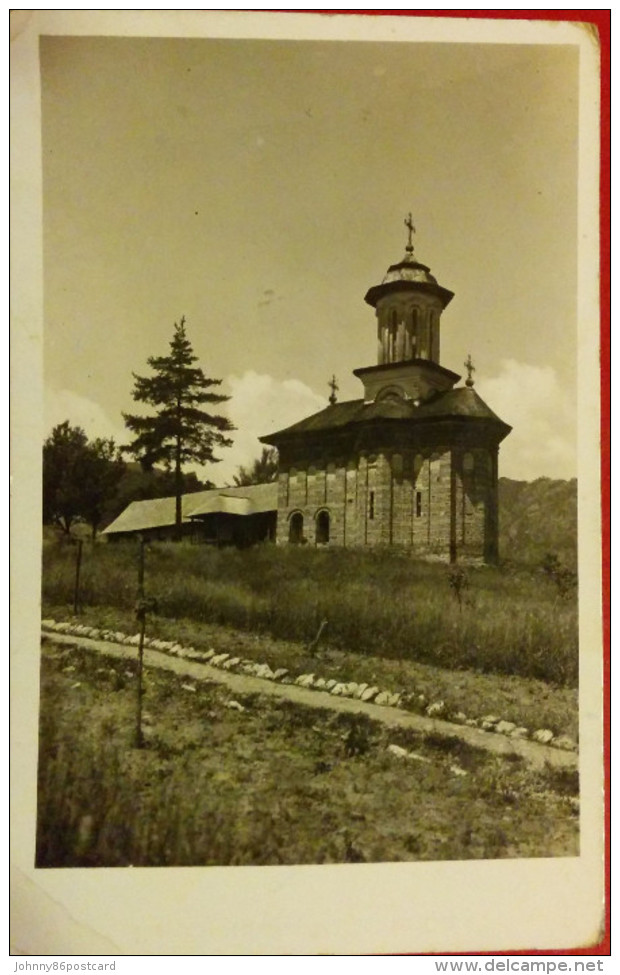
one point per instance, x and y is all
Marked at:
(160, 512)
(454, 403)
(427, 364)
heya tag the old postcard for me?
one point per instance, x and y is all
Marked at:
(306, 520)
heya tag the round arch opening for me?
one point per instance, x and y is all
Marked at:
(322, 527)
(296, 528)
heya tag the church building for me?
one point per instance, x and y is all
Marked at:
(411, 463)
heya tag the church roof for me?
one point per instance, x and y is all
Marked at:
(460, 403)
(427, 364)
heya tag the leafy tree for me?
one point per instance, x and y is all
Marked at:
(78, 477)
(180, 431)
(263, 470)
(104, 469)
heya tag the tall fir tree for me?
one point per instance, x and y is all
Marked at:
(180, 431)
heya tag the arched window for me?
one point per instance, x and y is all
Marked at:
(296, 528)
(391, 349)
(322, 528)
(391, 393)
(468, 463)
(415, 317)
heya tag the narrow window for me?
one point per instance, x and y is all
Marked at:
(322, 528)
(414, 333)
(418, 504)
(371, 505)
(296, 528)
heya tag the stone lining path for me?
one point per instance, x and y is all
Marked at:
(535, 754)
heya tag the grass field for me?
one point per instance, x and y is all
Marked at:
(379, 604)
(273, 784)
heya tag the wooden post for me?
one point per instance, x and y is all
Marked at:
(142, 618)
(78, 563)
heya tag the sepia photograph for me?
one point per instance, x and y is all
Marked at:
(316, 442)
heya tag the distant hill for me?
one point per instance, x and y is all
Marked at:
(537, 517)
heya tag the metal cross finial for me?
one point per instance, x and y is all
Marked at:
(410, 227)
(333, 385)
(470, 368)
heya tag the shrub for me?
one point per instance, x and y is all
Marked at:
(565, 579)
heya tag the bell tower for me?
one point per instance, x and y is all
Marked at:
(408, 304)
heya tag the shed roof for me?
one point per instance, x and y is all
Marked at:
(160, 512)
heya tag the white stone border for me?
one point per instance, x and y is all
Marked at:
(361, 692)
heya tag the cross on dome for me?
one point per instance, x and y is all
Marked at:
(410, 227)
(470, 368)
(333, 385)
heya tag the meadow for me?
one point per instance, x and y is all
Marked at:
(378, 603)
(267, 782)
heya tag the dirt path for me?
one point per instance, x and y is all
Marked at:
(533, 753)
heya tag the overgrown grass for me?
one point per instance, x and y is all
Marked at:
(377, 602)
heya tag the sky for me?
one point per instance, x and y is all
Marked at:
(259, 188)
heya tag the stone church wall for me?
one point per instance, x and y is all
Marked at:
(474, 486)
(430, 502)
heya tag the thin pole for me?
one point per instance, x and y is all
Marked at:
(76, 593)
(142, 618)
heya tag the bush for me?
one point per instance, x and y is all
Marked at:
(565, 579)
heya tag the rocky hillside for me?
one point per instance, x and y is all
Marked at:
(537, 517)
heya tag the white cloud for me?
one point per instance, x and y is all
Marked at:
(259, 405)
(543, 416)
(63, 404)
(529, 398)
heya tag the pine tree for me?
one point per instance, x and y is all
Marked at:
(180, 431)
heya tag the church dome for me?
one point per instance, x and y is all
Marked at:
(408, 275)
(409, 270)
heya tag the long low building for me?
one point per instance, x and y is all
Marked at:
(221, 516)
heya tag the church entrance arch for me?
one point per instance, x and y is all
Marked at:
(296, 528)
(322, 527)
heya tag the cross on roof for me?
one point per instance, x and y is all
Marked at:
(333, 385)
(470, 368)
(410, 227)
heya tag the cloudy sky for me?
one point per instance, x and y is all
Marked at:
(259, 187)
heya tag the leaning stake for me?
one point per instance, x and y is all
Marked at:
(141, 614)
(76, 592)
